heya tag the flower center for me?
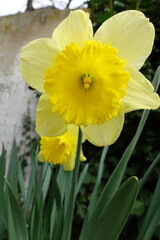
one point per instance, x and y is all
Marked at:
(87, 80)
(86, 84)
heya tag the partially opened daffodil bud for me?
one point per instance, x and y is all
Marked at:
(61, 149)
(91, 80)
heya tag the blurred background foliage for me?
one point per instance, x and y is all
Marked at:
(149, 144)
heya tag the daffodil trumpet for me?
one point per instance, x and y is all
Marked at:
(65, 149)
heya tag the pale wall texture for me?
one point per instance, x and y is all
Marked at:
(15, 97)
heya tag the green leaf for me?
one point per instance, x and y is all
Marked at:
(152, 217)
(81, 178)
(36, 219)
(152, 225)
(115, 215)
(18, 228)
(46, 180)
(21, 180)
(2, 173)
(149, 171)
(12, 175)
(94, 196)
(115, 180)
(32, 180)
(3, 208)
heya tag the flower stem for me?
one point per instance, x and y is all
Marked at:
(72, 196)
(77, 162)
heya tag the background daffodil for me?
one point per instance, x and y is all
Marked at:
(90, 81)
(61, 149)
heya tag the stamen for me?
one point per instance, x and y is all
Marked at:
(87, 80)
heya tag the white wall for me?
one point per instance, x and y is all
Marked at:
(15, 97)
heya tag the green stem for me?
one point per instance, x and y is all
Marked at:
(72, 196)
(138, 4)
(101, 165)
(77, 160)
(111, 4)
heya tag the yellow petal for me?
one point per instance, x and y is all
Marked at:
(105, 134)
(77, 28)
(131, 33)
(70, 164)
(40, 157)
(139, 93)
(37, 56)
(48, 124)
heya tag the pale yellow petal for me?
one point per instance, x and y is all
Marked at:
(131, 33)
(37, 56)
(82, 157)
(40, 157)
(139, 93)
(105, 134)
(48, 124)
(70, 164)
(77, 28)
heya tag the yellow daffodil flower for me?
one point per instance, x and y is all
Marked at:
(90, 80)
(61, 149)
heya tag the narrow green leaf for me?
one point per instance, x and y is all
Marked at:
(149, 171)
(18, 223)
(2, 173)
(3, 194)
(115, 179)
(115, 215)
(11, 228)
(81, 178)
(59, 224)
(154, 205)
(94, 196)
(53, 218)
(101, 164)
(12, 175)
(32, 180)
(21, 180)
(46, 181)
(156, 79)
(155, 220)
(36, 219)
